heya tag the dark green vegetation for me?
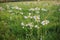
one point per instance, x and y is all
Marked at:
(10, 21)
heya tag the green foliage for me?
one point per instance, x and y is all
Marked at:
(11, 28)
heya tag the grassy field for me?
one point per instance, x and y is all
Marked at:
(30, 21)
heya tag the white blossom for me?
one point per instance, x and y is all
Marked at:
(20, 8)
(22, 27)
(17, 8)
(31, 17)
(31, 9)
(45, 22)
(43, 9)
(37, 18)
(30, 25)
(22, 24)
(36, 26)
(29, 14)
(37, 8)
(25, 17)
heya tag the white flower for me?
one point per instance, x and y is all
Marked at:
(45, 22)
(25, 17)
(30, 25)
(22, 24)
(17, 7)
(43, 9)
(22, 27)
(20, 8)
(34, 17)
(31, 17)
(31, 9)
(36, 26)
(29, 14)
(37, 8)
(37, 18)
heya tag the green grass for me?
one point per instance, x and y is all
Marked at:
(10, 22)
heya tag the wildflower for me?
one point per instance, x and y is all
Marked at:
(36, 26)
(25, 17)
(17, 7)
(30, 25)
(29, 14)
(34, 17)
(45, 22)
(37, 8)
(22, 27)
(31, 17)
(22, 24)
(43, 9)
(37, 18)
(20, 8)
(31, 9)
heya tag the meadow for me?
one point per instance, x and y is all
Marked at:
(29, 21)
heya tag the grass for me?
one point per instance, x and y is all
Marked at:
(13, 22)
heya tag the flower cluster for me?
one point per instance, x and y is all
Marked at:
(30, 15)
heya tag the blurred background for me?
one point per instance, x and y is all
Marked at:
(25, 0)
